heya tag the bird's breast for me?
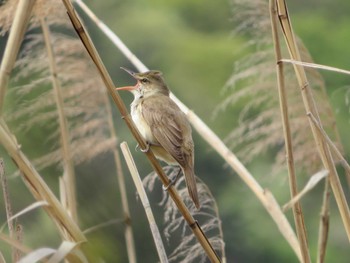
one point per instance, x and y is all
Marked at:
(142, 126)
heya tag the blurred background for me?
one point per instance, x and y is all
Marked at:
(195, 44)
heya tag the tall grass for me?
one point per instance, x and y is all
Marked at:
(69, 89)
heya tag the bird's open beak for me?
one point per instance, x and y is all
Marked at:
(132, 73)
(129, 88)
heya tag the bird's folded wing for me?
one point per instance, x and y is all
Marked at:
(163, 117)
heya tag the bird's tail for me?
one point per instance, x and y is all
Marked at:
(190, 178)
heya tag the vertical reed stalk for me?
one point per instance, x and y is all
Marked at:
(68, 165)
(129, 237)
(19, 25)
(8, 209)
(310, 106)
(145, 202)
(127, 118)
(324, 225)
(297, 210)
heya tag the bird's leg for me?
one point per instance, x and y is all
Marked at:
(143, 150)
(148, 146)
(172, 180)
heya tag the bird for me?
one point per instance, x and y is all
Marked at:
(163, 125)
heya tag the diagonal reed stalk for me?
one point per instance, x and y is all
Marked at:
(264, 196)
(297, 210)
(145, 202)
(333, 147)
(310, 106)
(127, 118)
(34, 182)
(13, 44)
(68, 228)
(69, 189)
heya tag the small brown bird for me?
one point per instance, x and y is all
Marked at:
(163, 125)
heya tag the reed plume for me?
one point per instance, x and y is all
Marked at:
(253, 83)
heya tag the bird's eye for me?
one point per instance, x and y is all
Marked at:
(144, 80)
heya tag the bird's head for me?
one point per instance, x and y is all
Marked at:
(148, 83)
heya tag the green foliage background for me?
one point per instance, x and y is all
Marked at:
(193, 44)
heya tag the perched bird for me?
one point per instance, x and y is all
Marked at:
(163, 125)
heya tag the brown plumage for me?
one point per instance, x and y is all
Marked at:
(163, 125)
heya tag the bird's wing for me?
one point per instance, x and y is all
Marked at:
(169, 126)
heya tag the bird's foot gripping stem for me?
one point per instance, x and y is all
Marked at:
(172, 181)
(148, 145)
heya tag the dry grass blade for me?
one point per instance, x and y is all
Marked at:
(65, 251)
(318, 66)
(313, 181)
(23, 12)
(38, 187)
(145, 202)
(24, 211)
(102, 225)
(211, 138)
(310, 106)
(37, 255)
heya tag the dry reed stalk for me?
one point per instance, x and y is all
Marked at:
(19, 237)
(316, 66)
(324, 225)
(68, 228)
(127, 118)
(297, 209)
(334, 148)
(8, 208)
(129, 237)
(310, 106)
(13, 44)
(214, 141)
(145, 202)
(68, 170)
